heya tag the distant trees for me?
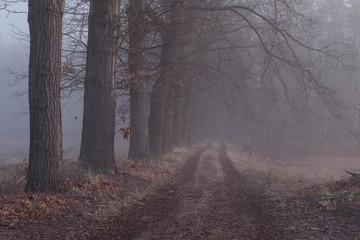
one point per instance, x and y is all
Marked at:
(270, 65)
(262, 62)
(256, 56)
(75, 38)
(156, 85)
(45, 156)
(97, 140)
(160, 128)
(138, 83)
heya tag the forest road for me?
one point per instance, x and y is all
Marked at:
(211, 200)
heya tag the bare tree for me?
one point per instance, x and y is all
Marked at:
(9, 5)
(75, 37)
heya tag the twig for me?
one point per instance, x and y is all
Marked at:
(354, 175)
(12, 186)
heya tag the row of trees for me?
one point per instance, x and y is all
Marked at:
(97, 145)
(188, 70)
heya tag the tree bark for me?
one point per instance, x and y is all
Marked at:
(168, 127)
(159, 98)
(160, 135)
(45, 156)
(177, 119)
(156, 121)
(139, 145)
(97, 142)
(187, 115)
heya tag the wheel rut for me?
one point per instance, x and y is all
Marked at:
(240, 210)
(187, 219)
(210, 201)
(134, 222)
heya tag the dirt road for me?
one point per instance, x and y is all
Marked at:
(210, 201)
(207, 198)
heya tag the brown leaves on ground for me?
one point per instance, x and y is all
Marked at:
(93, 183)
(47, 215)
(18, 210)
(143, 192)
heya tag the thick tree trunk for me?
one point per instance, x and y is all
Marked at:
(156, 123)
(159, 98)
(160, 135)
(178, 102)
(187, 115)
(182, 75)
(177, 119)
(45, 156)
(229, 130)
(97, 142)
(168, 129)
(139, 146)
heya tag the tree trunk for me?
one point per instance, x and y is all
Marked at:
(45, 156)
(168, 128)
(177, 117)
(97, 142)
(139, 146)
(159, 99)
(159, 130)
(187, 115)
(156, 120)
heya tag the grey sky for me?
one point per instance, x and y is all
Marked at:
(14, 121)
(13, 127)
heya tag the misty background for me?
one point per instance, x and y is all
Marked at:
(14, 118)
(276, 121)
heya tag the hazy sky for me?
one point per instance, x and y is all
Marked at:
(13, 127)
(14, 120)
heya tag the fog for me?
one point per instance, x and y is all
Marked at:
(14, 122)
(13, 106)
(283, 112)
(14, 118)
(217, 119)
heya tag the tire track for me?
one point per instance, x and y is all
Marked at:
(210, 201)
(136, 220)
(240, 210)
(187, 219)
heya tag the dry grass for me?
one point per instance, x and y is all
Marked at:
(212, 155)
(314, 168)
(156, 173)
(104, 195)
(12, 174)
(156, 170)
(11, 150)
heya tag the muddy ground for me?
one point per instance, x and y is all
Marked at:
(208, 200)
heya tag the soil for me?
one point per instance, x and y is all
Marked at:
(208, 200)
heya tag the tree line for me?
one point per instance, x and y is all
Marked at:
(181, 71)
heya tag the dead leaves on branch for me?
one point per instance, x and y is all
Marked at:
(68, 68)
(126, 132)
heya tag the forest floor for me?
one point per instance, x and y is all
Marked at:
(211, 191)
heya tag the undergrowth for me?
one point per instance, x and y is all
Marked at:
(296, 173)
(102, 196)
